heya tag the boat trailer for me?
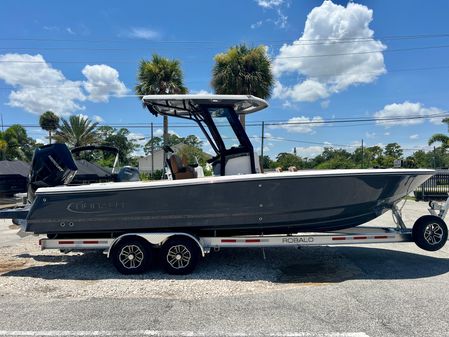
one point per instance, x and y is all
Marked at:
(133, 253)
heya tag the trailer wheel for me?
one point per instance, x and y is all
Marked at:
(430, 232)
(179, 255)
(131, 256)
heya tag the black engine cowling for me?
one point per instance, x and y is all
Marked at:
(52, 165)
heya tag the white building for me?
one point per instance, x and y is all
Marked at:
(146, 162)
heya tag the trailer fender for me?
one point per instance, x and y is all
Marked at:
(157, 239)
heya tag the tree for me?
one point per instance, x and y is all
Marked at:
(393, 150)
(77, 131)
(286, 160)
(49, 122)
(160, 76)
(15, 144)
(120, 140)
(266, 162)
(243, 71)
(441, 138)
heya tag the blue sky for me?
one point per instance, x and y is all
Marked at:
(332, 60)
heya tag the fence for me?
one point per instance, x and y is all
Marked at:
(437, 187)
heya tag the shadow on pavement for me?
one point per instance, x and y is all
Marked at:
(283, 265)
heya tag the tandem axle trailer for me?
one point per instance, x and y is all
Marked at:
(134, 253)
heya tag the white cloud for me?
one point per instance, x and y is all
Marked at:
(97, 118)
(386, 134)
(400, 113)
(309, 151)
(307, 91)
(281, 20)
(269, 3)
(70, 31)
(141, 33)
(326, 28)
(158, 133)
(415, 136)
(39, 87)
(102, 81)
(300, 124)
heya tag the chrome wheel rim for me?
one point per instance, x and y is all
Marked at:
(131, 256)
(433, 234)
(178, 256)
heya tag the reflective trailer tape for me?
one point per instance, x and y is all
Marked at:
(360, 237)
(338, 238)
(66, 242)
(252, 240)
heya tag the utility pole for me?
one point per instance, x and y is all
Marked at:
(152, 152)
(2, 122)
(434, 158)
(261, 146)
(363, 164)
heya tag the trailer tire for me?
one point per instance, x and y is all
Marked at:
(179, 255)
(131, 256)
(430, 233)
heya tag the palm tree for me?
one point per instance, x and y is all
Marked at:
(243, 71)
(160, 76)
(49, 122)
(441, 138)
(77, 131)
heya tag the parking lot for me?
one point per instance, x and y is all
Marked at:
(367, 290)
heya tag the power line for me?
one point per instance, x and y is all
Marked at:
(120, 40)
(278, 122)
(198, 60)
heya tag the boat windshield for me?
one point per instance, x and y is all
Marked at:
(224, 123)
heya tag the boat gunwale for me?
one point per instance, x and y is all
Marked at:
(138, 185)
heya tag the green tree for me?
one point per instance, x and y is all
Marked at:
(118, 138)
(15, 144)
(266, 162)
(160, 76)
(49, 122)
(441, 138)
(243, 70)
(77, 131)
(286, 160)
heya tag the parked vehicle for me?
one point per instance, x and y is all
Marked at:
(182, 215)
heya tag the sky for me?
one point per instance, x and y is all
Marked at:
(371, 60)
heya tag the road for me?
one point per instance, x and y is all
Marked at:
(376, 290)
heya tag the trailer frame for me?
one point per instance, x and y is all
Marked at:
(351, 236)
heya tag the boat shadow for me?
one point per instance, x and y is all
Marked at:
(308, 265)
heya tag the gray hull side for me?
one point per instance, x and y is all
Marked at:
(285, 205)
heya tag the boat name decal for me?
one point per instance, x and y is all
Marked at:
(296, 240)
(94, 207)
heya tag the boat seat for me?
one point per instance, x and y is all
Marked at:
(180, 169)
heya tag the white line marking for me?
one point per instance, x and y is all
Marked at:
(156, 333)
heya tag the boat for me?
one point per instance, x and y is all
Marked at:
(238, 200)
(13, 180)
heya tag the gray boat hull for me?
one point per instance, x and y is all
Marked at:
(247, 204)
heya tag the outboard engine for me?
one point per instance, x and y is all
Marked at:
(128, 173)
(52, 165)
